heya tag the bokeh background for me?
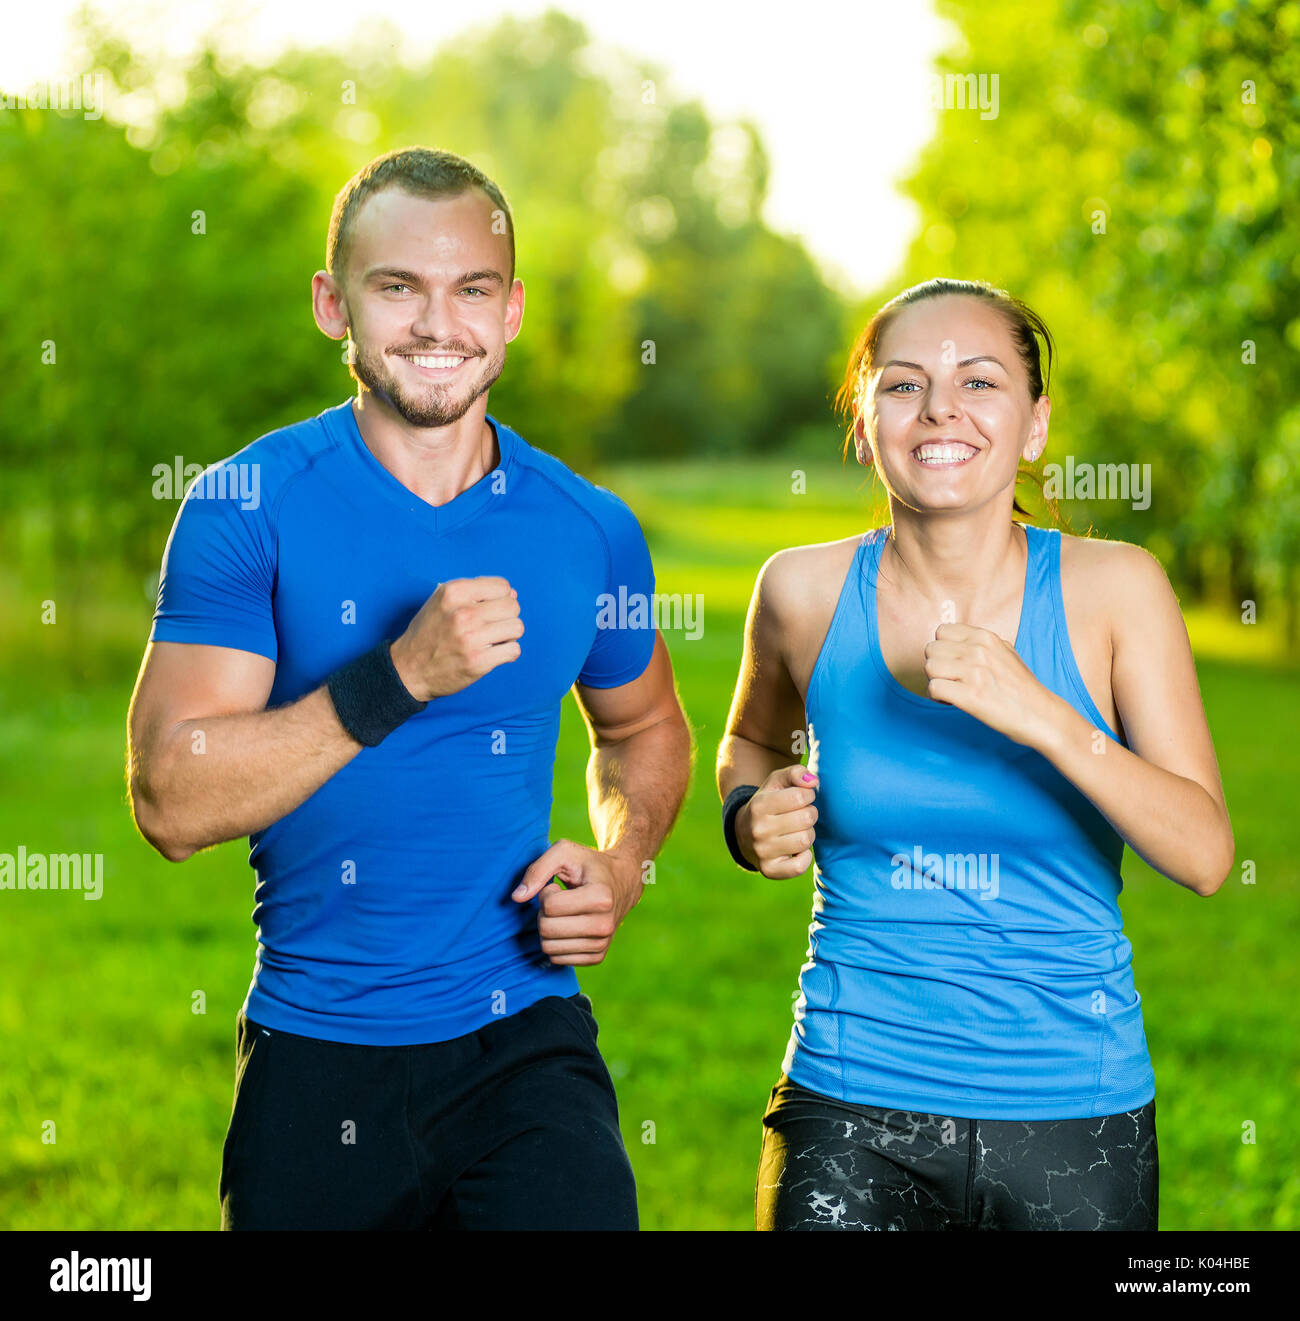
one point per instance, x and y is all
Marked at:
(1139, 186)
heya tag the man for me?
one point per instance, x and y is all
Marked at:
(362, 669)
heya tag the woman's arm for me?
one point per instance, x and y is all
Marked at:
(767, 713)
(1165, 795)
(1162, 794)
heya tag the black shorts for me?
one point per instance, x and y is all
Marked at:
(827, 1164)
(514, 1126)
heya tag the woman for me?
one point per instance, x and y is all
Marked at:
(968, 1049)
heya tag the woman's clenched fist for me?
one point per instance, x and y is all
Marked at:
(775, 828)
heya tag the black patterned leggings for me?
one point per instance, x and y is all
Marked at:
(827, 1164)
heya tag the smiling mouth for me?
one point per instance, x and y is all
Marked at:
(435, 364)
(944, 454)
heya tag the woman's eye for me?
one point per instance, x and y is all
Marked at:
(978, 380)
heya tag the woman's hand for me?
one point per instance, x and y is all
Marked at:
(982, 674)
(774, 830)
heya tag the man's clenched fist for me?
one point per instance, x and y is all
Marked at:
(466, 628)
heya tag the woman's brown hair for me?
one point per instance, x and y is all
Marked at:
(1024, 323)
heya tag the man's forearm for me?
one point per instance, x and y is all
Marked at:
(216, 778)
(635, 788)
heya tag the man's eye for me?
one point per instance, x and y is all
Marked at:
(387, 287)
(475, 291)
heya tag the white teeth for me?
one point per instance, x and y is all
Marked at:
(425, 361)
(945, 453)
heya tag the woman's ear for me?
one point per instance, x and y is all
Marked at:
(1037, 441)
(860, 443)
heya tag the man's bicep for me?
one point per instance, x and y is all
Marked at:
(181, 681)
(618, 713)
(217, 578)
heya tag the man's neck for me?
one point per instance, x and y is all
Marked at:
(435, 463)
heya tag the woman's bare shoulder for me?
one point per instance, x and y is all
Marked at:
(797, 579)
(1106, 561)
(1117, 578)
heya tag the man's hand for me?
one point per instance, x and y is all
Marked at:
(576, 924)
(466, 628)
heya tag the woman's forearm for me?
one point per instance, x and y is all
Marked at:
(743, 762)
(1171, 822)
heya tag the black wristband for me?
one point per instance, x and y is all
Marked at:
(370, 697)
(736, 799)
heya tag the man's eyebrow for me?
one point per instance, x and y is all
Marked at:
(965, 362)
(392, 272)
(411, 277)
(478, 277)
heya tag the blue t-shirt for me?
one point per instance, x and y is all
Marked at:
(383, 901)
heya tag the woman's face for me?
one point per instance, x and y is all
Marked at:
(946, 410)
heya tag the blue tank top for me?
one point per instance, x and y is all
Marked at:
(966, 955)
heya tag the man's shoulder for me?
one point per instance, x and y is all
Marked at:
(568, 484)
(269, 465)
(297, 444)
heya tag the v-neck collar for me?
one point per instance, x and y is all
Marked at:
(437, 519)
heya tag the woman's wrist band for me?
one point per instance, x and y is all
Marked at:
(369, 696)
(736, 799)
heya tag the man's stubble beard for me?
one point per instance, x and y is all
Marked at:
(434, 409)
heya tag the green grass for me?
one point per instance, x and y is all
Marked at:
(694, 1000)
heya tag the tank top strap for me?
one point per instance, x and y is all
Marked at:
(1034, 635)
(848, 636)
(867, 568)
(1035, 641)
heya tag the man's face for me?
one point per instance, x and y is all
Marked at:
(428, 307)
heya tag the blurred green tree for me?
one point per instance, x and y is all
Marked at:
(167, 251)
(1140, 187)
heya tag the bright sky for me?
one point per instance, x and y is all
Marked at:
(839, 91)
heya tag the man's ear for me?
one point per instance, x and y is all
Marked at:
(514, 310)
(328, 306)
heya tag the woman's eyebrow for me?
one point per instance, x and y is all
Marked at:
(965, 362)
